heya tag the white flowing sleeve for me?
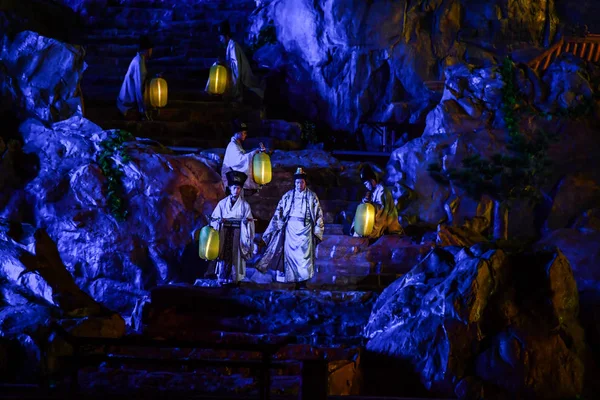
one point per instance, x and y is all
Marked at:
(215, 217)
(235, 66)
(139, 75)
(247, 233)
(319, 227)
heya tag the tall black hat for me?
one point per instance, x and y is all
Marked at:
(236, 178)
(224, 28)
(300, 174)
(145, 43)
(239, 126)
(367, 173)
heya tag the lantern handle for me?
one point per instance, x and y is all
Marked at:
(210, 218)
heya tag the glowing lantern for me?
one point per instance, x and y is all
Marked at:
(217, 79)
(261, 168)
(158, 92)
(364, 219)
(209, 243)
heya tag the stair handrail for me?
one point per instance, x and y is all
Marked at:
(564, 41)
(537, 60)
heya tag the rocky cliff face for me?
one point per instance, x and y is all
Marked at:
(469, 120)
(347, 61)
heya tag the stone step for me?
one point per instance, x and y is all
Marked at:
(124, 37)
(334, 229)
(128, 47)
(177, 113)
(236, 18)
(167, 54)
(181, 311)
(211, 134)
(342, 366)
(342, 255)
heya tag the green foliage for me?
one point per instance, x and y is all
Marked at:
(309, 133)
(112, 147)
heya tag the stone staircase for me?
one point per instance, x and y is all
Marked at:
(184, 123)
(185, 41)
(185, 46)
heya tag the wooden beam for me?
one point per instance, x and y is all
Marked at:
(583, 47)
(591, 52)
(547, 63)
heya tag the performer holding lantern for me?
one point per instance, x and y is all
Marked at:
(236, 80)
(383, 217)
(237, 159)
(233, 219)
(130, 101)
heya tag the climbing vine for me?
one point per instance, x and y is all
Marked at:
(111, 147)
(308, 133)
(520, 174)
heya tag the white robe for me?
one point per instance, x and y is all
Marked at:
(240, 73)
(292, 236)
(231, 264)
(237, 159)
(386, 213)
(131, 95)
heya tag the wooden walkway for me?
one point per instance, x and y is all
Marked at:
(587, 48)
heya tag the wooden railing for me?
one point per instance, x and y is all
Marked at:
(587, 47)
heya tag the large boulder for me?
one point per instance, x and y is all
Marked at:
(480, 324)
(167, 197)
(35, 290)
(42, 76)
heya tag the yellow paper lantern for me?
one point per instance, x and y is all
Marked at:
(261, 168)
(159, 92)
(364, 219)
(217, 79)
(209, 243)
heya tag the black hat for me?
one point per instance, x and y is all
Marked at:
(236, 178)
(300, 174)
(224, 28)
(367, 173)
(145, 43)
(239, 126)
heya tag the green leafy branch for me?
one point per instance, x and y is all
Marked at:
(309, 133)
(111, 147)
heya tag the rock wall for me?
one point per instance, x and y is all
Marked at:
(53, 180)
(469, 121)
(347, 61)
(42, 76)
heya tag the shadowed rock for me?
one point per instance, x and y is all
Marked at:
(490, 324)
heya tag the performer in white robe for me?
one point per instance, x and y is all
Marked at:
(386, 213)
(237, 159)
(233, 219)
(293, 233)
(131, 96)
(240, 72)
